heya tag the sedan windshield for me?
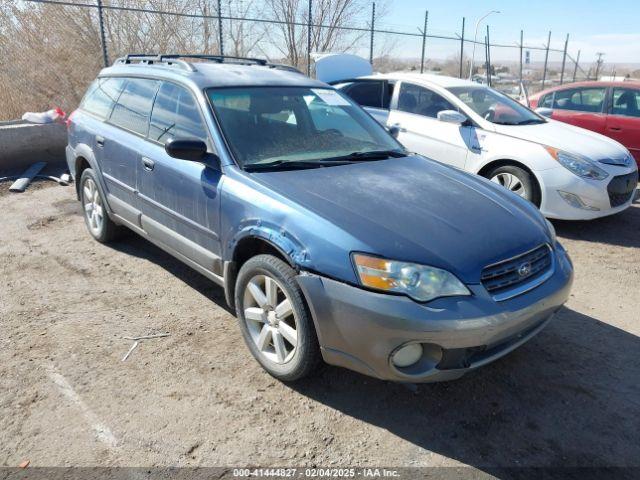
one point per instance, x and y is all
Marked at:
(495, 106)
(298, 127)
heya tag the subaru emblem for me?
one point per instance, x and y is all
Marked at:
(524, 269)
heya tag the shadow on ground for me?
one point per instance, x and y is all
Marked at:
(569, 397)
(137, 246)
(621, 229)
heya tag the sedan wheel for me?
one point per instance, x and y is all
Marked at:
(270, 319)
(510, 181)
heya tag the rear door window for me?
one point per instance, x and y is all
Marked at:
(133, 108)
(367, 93)
(102, 96)
(626, 102)
(176, 115)
(580, 99)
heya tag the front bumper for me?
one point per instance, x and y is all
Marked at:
(592, 192)
(360, 329)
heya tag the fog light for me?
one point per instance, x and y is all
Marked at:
(575, 201)
(407, 355)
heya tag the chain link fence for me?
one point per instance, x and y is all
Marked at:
(51, 49)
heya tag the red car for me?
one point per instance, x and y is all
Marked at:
(609, 108)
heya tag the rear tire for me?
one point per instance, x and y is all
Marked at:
(274, 319)
(517, 180)
(94, 211)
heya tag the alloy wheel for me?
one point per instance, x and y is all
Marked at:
(510, 181)
(93, 210)
(270, 319)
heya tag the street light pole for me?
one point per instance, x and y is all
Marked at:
(475, 38)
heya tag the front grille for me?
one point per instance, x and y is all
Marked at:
(504, 278)
(621, 188)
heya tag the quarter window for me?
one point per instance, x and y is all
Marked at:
(580, 99)
(176, 115)
(546, 101)
(102, 96)
(133, 108)
(626, 102)
(421, 101)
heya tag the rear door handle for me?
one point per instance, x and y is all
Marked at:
(100, 141)
(399, 127)
(615, 129)
(148, 164)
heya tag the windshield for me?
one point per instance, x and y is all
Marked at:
(269, 125)
(495, 106)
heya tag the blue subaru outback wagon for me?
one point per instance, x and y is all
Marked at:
(330, 240)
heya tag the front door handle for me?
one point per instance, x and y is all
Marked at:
(100, 141)
(148, 164)
(615, 129)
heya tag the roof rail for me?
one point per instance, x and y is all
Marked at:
(176, 60)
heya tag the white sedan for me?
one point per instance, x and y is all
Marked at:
(568, 172)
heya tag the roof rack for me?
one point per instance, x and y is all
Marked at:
(176, 60)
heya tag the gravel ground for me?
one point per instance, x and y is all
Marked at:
(569, 397)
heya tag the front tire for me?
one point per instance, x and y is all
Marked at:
(517, 180)
(96, 218)
(274, 319)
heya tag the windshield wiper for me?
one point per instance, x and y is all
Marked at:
(530, 121)
(353, 157)
(290, 165)
(366, 156)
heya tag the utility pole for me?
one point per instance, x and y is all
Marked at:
(575, 69)
(462, 47)
(424, 40)
(103, 38)
(546, 61)
(564, 59)
(488, 58)
(220, 27)
(599, 63)
(521, 47)
(373, 27)
(309, 23)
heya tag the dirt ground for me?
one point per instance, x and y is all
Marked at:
(569, 397)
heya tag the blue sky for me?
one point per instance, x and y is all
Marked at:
(612, 27)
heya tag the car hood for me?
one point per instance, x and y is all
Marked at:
(569, 138)
(417, 210)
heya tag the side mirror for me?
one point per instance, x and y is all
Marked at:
(451, 116)
(186, 149)
(544, 112)
(394, 131)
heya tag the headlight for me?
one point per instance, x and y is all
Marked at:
(552, 232)
(580, 166)
(420, 282)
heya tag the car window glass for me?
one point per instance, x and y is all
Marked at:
(134, 105)
(626, 102)
(580, 99)
(367, 94)
(102, 96)
(546, 101)
(421, 101)
(327, 118)
(176, 115)
(294, 124)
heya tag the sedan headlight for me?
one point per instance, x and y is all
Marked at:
(580, 166)
(420, 282)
